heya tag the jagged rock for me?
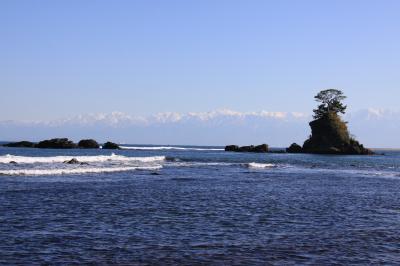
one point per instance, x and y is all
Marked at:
(20, 144)
(111, 146)
(294, 148)
(59, 143)
(72, 161)
(88, 144)
(259, 148)
(329, 135)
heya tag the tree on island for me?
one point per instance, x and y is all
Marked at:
(331, 102)
(329, 134)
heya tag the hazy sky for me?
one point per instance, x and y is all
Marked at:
(62, 58)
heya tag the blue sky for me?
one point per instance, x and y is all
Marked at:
(64, 58)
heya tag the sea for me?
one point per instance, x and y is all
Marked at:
(191, 205)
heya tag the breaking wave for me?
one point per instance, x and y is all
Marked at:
(84, 159)
(75, 170)
(260, 165)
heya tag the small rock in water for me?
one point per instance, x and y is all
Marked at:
(72, 161)
(110, 146)
(13, 162)
(88, 144)
(155, 173)
(294, 148)
(252, 148)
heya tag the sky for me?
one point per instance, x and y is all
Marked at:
(63, 59)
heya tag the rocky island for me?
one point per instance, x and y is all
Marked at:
(111, 146)
(260, 148)
(58, 143)
(88, 144)
(329, 133)
(62, 143)
(20, 144)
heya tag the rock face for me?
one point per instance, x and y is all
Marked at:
(294, 148)
(88, 144)
(259, 148)
(61, 143)
(111, 146)
(331, 136)
(20, 144)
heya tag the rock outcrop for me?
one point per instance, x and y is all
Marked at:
(111, 146)
(232, 148)
(59, 143)
(88, 144)
(20, 144)
(294, 148)
(329, 135)
(260, 148)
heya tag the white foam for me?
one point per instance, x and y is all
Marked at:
(168, 148)
(75, 170)
(200, 164)
(260, 165)
(85, 159)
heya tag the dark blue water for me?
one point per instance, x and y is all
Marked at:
(196, 207)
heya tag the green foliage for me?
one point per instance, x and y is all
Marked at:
(331, 103)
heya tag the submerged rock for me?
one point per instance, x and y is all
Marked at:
(260, 148)
(329, 135)
(58, 143)
(20, 144)
(88, 144)
(111, 146)
(294, 148)
(155, 173)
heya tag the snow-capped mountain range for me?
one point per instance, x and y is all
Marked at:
(374, 127)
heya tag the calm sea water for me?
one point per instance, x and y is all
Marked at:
(198, 205)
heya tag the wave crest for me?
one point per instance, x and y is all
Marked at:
(260, 165)
(84, 159)
(75, 170)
